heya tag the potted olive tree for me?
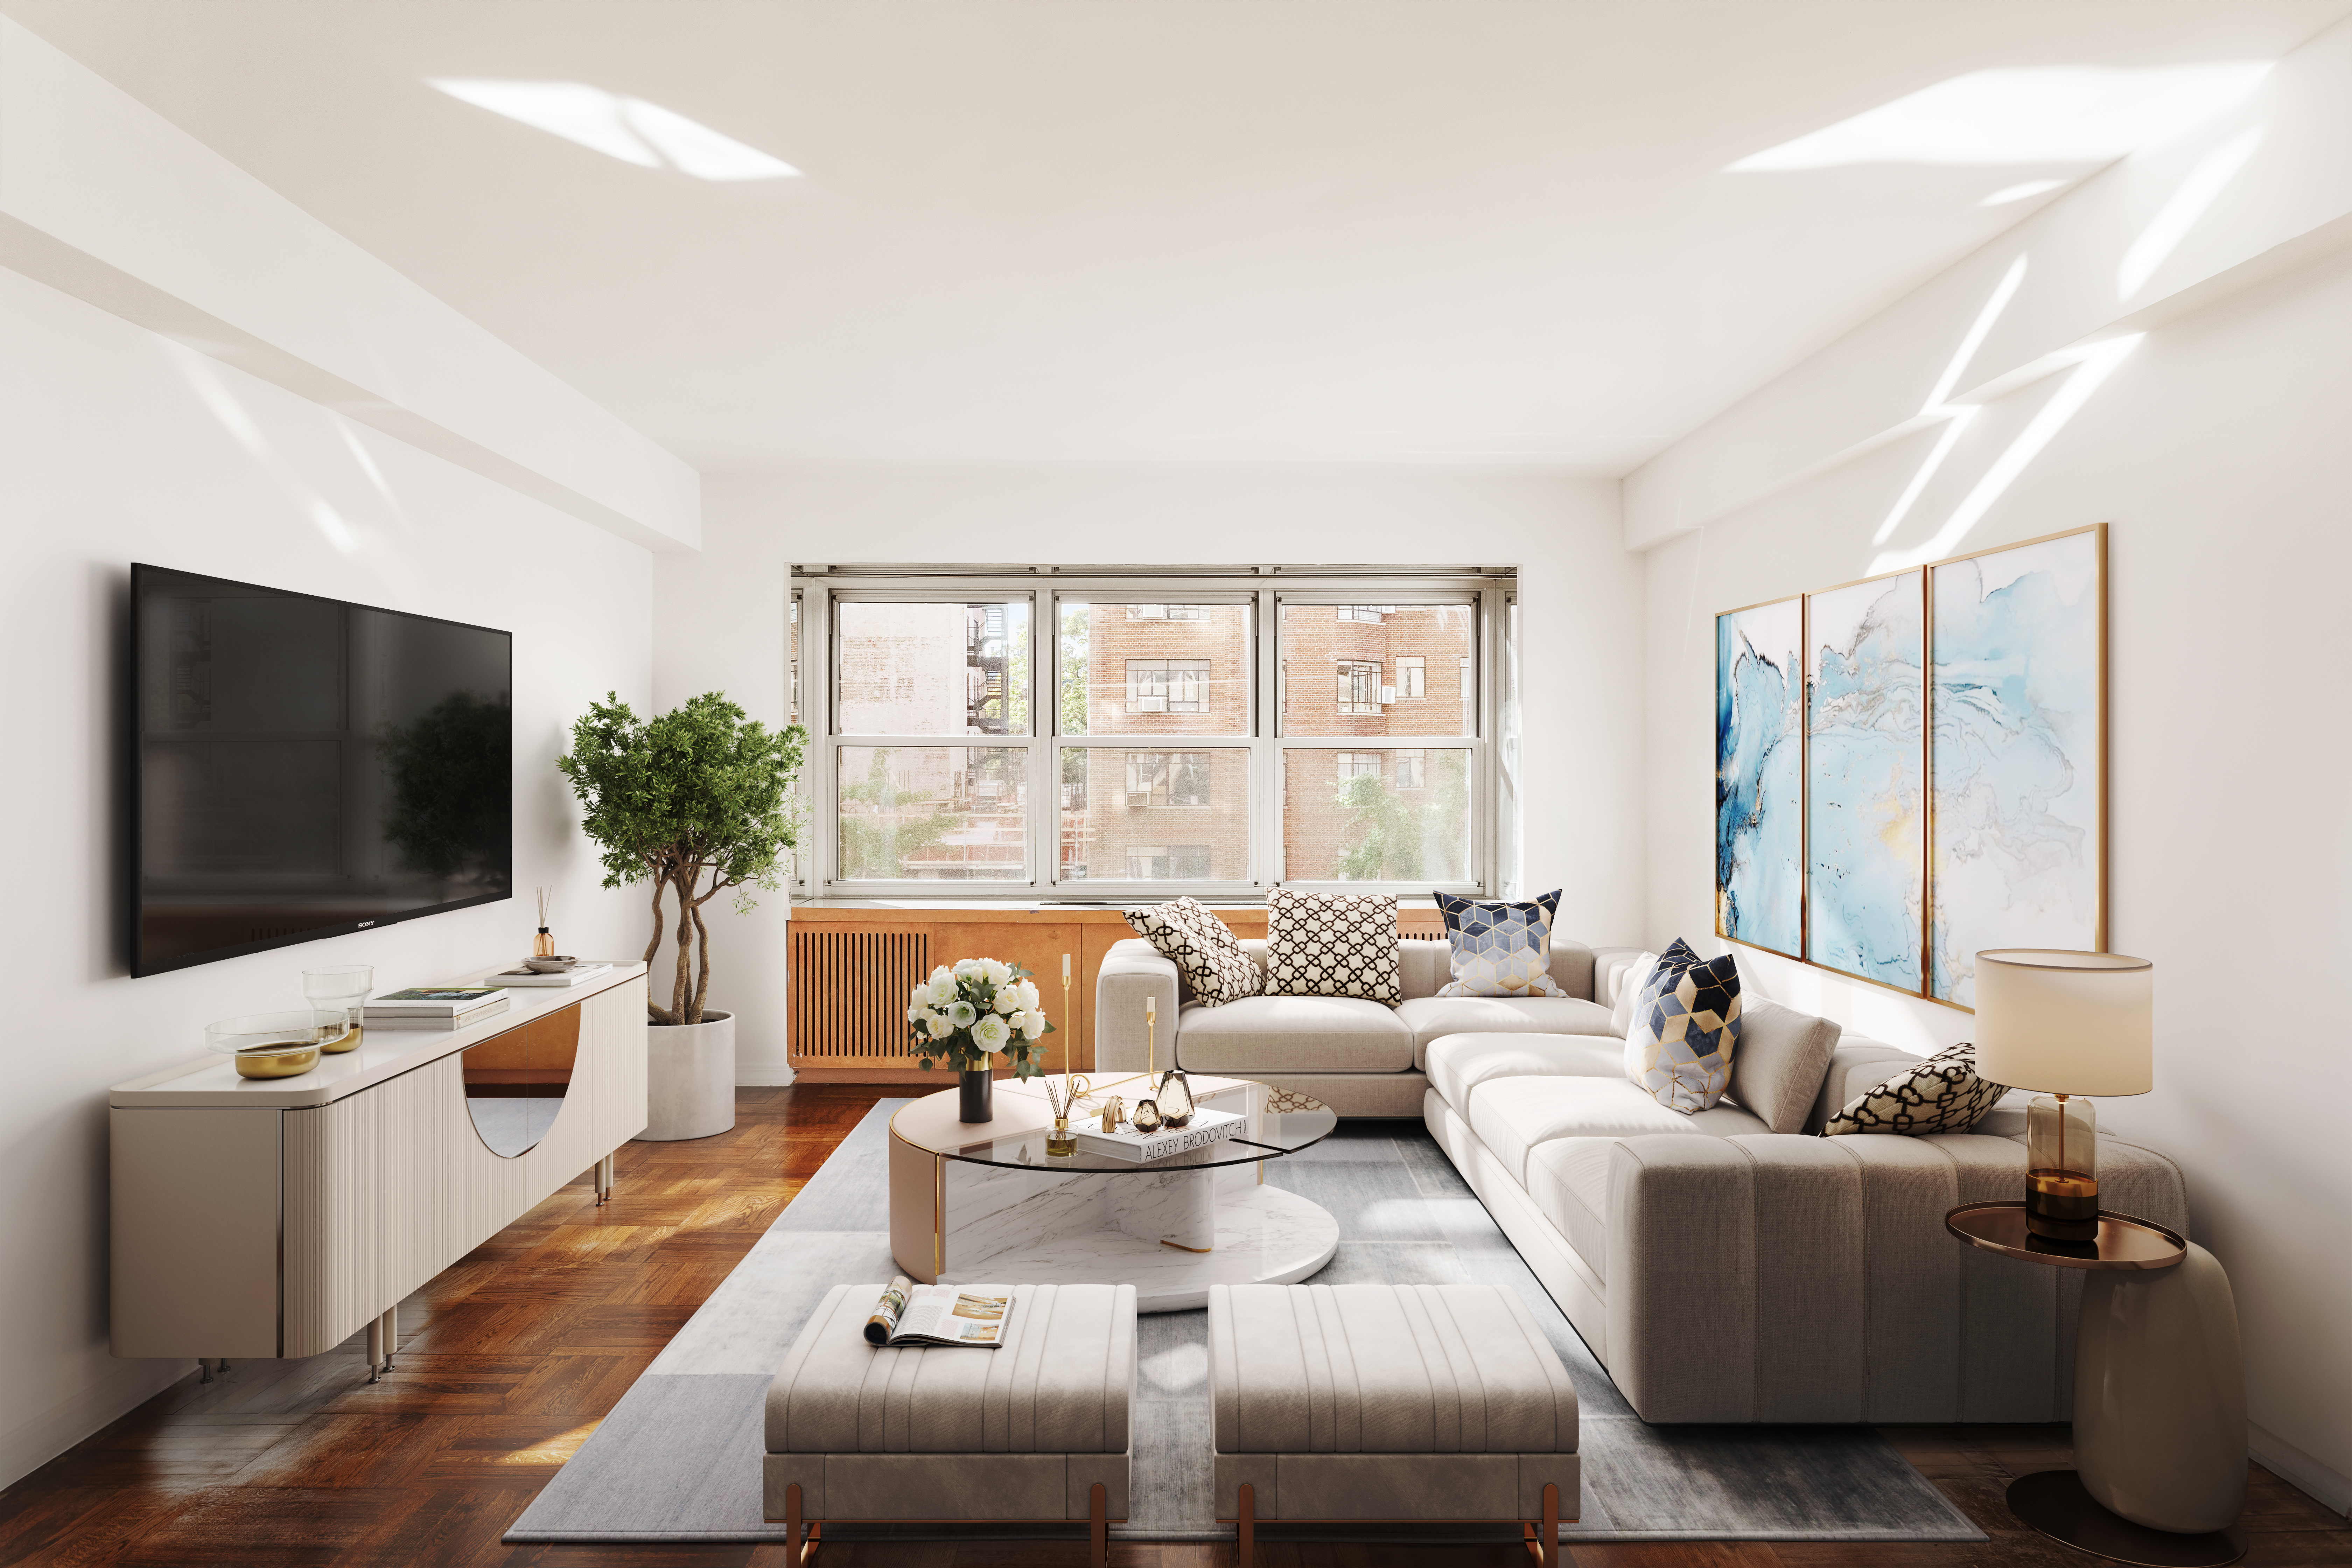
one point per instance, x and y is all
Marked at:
(698, 802)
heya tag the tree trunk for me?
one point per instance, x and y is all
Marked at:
(702, 953)
(651, 1008)
(683, 880)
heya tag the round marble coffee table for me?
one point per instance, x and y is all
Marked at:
(974, 1202)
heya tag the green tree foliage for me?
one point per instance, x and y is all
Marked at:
(876, 832)
(1076, 638)
(452, 786)
(696, 801)
(1384, 833)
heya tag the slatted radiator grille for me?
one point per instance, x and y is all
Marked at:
(849, 991)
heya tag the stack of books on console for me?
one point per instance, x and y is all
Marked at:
(435, 1007)
(1206, 1127)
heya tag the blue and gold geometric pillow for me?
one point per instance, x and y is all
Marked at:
(1499, 949)
(1685, 1025)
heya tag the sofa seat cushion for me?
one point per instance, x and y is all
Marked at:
(1460, 1063)
(1568, 1178)
(1383, 1369)
(1434, 1017)
(1512, 1115)
(1292, 1034)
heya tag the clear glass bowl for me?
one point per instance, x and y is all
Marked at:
(346, 988)
(279, 1045)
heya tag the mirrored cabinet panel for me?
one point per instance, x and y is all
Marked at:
(515, 1083)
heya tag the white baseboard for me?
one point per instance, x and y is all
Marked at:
(2299, 1469)
(763, 1075)
(126, 1385)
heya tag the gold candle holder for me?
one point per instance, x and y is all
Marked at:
(1145, 1117)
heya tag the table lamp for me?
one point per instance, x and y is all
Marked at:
(2064, 1025)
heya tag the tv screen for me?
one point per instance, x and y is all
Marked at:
(305, 767)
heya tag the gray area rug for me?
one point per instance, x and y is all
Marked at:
(679, 1457)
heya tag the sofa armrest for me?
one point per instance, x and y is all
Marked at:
(1775, 1277)
(1611, 969)
(1132, 971)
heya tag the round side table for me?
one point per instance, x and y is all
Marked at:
(2159, 1394)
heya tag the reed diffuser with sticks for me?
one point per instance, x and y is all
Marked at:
(543, 945)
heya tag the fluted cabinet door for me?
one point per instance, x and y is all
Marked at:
(612, 1024)
(364, 1207)
(481, 1192)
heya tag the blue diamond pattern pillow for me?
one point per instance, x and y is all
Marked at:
(1685, 1025)
(1499, 949)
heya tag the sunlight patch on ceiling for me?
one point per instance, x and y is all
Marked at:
(2007, 193)
(2182, 209)
(628, 129)
(2022, 115)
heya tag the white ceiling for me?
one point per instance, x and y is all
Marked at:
(1103, 230)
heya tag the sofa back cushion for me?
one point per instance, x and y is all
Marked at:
(1783, 1055)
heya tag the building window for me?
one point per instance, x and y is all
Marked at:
(1167, 778)
(1168, 862)
(1168, 685)
(1007, 734)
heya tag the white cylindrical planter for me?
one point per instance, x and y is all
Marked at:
(690, 1079)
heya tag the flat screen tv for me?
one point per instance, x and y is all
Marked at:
(303, 767)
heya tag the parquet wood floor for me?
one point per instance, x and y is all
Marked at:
(509, 1360)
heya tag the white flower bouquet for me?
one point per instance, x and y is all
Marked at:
(975, 1012)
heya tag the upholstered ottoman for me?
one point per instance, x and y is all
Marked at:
(1037, 1429)
(1391, 1403)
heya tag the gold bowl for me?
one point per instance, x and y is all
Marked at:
(281, 1045)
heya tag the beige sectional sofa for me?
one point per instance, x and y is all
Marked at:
(1361, 1058)
(1729, 1266)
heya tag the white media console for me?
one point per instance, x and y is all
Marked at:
(276, 1217)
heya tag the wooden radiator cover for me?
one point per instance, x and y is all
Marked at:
(852, 969)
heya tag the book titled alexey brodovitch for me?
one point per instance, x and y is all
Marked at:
(433, 1006)
(1205, 1128)
(912, 1314)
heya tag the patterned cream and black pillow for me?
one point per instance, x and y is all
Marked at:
(1941, 1094)
(1332, 944)
(1685, 1025)
(1499, 948)
(1201, 947)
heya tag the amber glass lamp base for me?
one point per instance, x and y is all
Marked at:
(2062, 1169)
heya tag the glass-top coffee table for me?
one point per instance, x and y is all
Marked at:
(987, 1202)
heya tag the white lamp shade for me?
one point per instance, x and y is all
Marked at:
(2067, 1023)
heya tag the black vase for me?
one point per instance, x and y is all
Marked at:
(978, 1090)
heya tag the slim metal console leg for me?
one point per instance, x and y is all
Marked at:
(376, 1350)
(1245, 1529)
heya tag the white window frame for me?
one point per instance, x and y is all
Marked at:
(1262, 735)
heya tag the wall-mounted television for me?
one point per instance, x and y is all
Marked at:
(303, 767)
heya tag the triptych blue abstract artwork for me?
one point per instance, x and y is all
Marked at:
(1911, 770)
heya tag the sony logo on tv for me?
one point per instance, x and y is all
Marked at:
(363, 925)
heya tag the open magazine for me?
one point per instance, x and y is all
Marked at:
(912, 1314)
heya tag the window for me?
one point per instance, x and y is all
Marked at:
(1006, 734)
(1359, 687)
(1166, 778)
(1169, 863)
(1168, 685)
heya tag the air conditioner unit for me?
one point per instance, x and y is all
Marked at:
(1388, 693)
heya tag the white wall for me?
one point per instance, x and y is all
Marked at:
(2217, 452)
(118, 445)
(720, 621)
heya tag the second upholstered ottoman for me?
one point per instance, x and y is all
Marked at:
(1403, 1403)
(1035, 1429)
